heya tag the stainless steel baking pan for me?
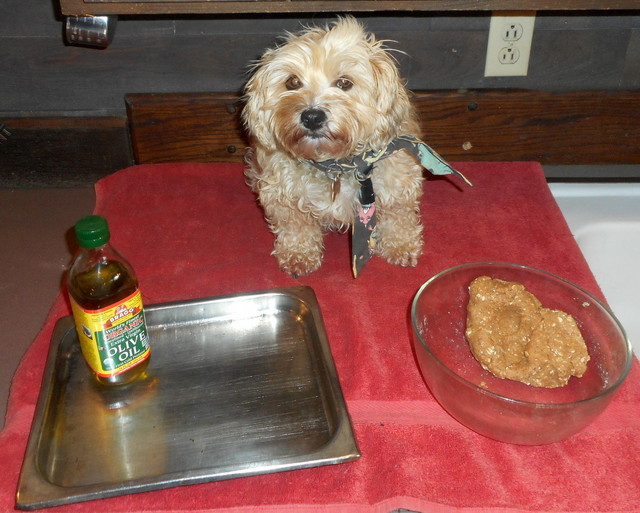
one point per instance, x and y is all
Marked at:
(237, 385)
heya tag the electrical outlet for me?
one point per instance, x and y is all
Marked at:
(512, 31)
(509, 44)
(509, 55)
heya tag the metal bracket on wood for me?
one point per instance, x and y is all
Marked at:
(96, 31)
(4, 133)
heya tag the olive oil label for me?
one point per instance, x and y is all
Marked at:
(113, 339)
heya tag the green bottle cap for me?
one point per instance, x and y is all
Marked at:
(92, 231)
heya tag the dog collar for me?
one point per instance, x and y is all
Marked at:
(361, 165)
(363, 235)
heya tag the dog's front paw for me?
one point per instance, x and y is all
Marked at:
(299, 249)
(399, 236)
(404, 255)
(298, 264)
(400, 247)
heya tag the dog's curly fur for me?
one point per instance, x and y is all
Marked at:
(329, 93)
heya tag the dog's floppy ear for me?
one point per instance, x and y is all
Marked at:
(254, 116)
(392, 99)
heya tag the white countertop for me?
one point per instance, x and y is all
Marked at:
(605, 220)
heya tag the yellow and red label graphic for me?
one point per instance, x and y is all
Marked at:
(115, 338)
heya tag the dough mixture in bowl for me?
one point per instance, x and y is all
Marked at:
(513, 336)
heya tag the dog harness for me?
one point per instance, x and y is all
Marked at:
(363, 234)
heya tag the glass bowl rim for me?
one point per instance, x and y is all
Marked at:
(607, 391)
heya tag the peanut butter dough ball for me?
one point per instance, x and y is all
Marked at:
(513, 336)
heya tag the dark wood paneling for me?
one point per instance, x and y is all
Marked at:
(80, 7)
(185, 127)
(63, 152)
(593, 127)
(441, 53)
(589, 127)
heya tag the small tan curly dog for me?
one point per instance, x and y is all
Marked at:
(331, 93)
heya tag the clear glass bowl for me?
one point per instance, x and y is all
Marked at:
(502, 409)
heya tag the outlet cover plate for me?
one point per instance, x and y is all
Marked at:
(509, 44)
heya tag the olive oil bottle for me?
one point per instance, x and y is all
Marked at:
(107, 306)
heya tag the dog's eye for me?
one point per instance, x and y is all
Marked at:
(293, 83)
(344, 83)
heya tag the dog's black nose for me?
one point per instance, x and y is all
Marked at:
(313, 119)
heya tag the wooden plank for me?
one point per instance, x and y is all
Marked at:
(588, 127)
(63, 122)
(96, 7)
(63, 151)
(185, 127)
(577, 128)
(441, 54)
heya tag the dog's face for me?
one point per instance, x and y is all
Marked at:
(326, 93)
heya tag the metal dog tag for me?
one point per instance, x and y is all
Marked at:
(335, 188)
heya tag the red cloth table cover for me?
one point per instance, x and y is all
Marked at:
(196, 230)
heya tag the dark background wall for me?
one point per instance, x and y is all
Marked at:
(41, 75)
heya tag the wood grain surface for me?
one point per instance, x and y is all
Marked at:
(82, 7)
(587, 127)
(65, 151)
